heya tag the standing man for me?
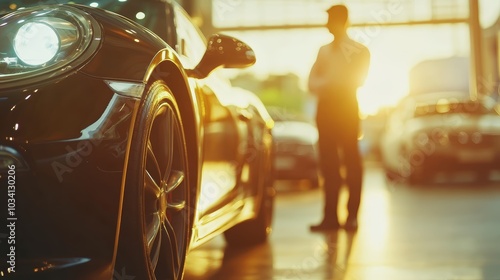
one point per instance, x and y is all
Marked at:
(340, 68)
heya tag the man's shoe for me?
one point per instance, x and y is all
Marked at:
(351, 224)
(324, 227)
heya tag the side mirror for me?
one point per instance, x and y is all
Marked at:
(225, 51)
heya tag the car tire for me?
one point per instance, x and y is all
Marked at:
(157, 209)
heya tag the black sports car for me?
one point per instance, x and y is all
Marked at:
(120, 150)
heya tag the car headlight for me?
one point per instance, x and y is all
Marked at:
(476, 137)
(441, 137)
(10, 157)
(463, 137)
(421, 139)
(36, 43)
(45, 39)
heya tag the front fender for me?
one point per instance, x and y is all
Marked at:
(127, 48)
(167, 66)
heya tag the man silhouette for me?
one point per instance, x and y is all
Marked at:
(340, 68)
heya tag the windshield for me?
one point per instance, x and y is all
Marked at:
(148, 13)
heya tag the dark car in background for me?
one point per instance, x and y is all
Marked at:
(120, 149)
(295, 147)
(442, 132)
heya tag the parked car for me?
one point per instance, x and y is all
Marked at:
(295, 148)
(441, 132)
(120, 150)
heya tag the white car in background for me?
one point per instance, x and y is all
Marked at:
(295, 148)
(441, 132)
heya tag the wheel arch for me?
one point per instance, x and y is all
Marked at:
(167, 67)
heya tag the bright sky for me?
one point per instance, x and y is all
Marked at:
(395, 50)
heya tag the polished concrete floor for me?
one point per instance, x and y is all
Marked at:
(449, 230)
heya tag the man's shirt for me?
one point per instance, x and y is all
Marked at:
(340, 68)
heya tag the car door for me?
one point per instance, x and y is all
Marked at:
(224, 132)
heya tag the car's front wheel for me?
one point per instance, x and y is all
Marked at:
(156, 221)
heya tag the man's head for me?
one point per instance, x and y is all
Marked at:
(337, 20)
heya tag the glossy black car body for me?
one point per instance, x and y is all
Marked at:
(122, 152)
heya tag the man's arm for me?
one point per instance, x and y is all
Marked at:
(317, 80)
(364, 65)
